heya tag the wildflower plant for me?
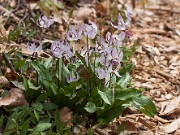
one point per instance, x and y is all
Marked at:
(94, 79)
(44, 21)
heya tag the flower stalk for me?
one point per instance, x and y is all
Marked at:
(89, 66)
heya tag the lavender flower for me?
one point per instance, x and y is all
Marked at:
(32, 47)
(74, 33)
(60, 49)
(56, 49)
(121, 36)
(101, 73)
(84, 53)
(70, 79)
(44, 22)
(109, 55)
(128, 13)
(90, 31)
(67, 50)
(121, 24)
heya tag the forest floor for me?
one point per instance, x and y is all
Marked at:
(156, 60)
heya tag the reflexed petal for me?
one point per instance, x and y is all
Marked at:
(90, 30)
(116, 73)
(101, 73)
(32, 47)
(74, 33)
(121, 36)
(44, 22)
(70, 79)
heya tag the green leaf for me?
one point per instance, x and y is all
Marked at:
(48, 62)
(128, 93)
(1, 120)
(59, 127)
(14, 33)
(82, 59)
(30, 34)
(145, 105)
(126, 68)
(51, 87)
(42, 71)
(90, 107)
(114, 110)
(42, 97)
(80, 95)
(25, 126)
(41, 127)
(125, 80)
(36, 113)
(38, 106)
(18, 116)
(19, 85)
(104, 96)
(31, 86)
(49, 106)
(19, 64)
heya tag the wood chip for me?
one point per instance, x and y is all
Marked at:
(162, 72)
(173, 126)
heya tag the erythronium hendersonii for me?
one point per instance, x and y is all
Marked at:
(44, 22)
(33, 48)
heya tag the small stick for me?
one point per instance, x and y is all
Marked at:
(8, 62)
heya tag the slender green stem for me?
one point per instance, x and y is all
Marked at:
(89, 68)
(62, 70)
(59, 73)
(110, 81)
(94, 69)
(37, 77)
(105, 70)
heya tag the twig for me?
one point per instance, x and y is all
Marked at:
(8, 62)
(9, 13)
(160, 119)
(162, 73)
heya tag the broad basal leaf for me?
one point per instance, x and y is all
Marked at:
(105, 97)
(90, 107)
(145, 105)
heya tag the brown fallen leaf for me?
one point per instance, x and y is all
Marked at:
(66, 116)
(79, 129)
(101, 131)
(148, 132)
(145, 123)
(84, 13)
(130, 125)
(3, 81)
(170, 107)
(15, 98)
(173, 126)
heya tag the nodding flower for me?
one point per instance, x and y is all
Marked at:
(44, 22)
(101, 73)
(90, 30)
(60, 49)
(56, 49)
(71, 78)
(74, 33)
(33, 48)
(122, 25)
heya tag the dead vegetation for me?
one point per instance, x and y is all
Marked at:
(157, 60)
